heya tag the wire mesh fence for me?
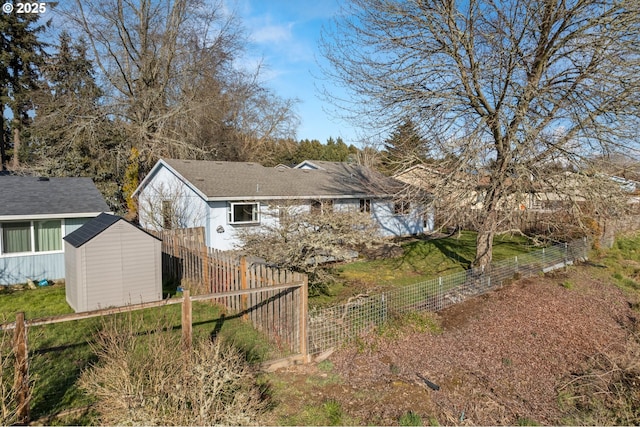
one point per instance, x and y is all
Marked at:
(333, 326)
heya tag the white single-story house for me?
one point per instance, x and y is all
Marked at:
(35, 214)
(223, 197)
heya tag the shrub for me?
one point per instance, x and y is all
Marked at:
(605, 391)
(144, 379)
(8, 398)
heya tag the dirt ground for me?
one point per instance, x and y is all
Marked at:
(499, 359)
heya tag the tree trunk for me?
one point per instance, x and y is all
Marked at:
(15, 163)
(484, 240)
(3, 143)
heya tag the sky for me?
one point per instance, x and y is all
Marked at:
(285, 34)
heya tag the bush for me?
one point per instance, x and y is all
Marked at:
(144, 379)
(8, 398)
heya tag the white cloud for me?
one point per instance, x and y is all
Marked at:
(272, 33)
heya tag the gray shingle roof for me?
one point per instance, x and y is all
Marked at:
(28, 195)
(220, 180)
(94, 227)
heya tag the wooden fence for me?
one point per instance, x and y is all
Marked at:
(21, 325)
(280, 313)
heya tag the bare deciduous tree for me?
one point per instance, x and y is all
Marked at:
(169, 72)
(500, 90)
(295, 238)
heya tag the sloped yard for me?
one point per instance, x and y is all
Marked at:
(506, 357)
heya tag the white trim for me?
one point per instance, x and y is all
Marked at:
(50, 216)
(161, 163)
(301, 197)
(33, 250)
(255, 211)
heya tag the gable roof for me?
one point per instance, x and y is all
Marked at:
(246, 180)
(94, 227)
(31, 196)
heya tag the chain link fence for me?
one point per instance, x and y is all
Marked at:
(333, 326)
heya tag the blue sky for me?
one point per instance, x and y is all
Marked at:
(285, 35)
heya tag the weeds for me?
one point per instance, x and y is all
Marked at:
(8, 398)
(605, 391)
(143, 378)
(410, 419)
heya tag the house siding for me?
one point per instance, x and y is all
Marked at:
(51, 266)
(191, 209)
(220, 234)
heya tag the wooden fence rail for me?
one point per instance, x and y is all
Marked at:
(280, 314)
(21, 325)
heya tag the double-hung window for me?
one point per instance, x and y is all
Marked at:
(244, 213)
(30, 236)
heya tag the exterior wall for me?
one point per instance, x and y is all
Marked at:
(118, 267)
(73, 276)
(395, 225)
(190, 210)
(224, 236)
(37, 266)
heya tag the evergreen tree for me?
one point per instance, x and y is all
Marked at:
(71, 134)
(21, 55)
(404, 148)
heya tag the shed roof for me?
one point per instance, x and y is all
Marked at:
(228, 180)
(30, 196)
(94, 227)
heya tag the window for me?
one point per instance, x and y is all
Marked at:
(16, 237)
(365, 205)
(401, 208)
(31, 236)
(244, 213)
(321, 207)
(48, 235)
(167, 215)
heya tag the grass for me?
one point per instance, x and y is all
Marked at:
(59, 352)
(623, 261)
(421, 260)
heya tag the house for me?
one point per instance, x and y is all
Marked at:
(224, 197)
(110, 262)
(35, 214)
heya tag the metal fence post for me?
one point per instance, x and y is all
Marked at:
(440, 294)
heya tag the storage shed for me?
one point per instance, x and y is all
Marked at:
(110, 262)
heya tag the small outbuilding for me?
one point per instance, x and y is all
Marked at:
(110, 262)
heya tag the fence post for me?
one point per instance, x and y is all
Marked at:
(187, 325)
(205, 268)
(440, 295)
(517, 267)
(243, 286)
(304, 306)
(21, 381)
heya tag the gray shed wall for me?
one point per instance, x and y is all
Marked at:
(120, 266)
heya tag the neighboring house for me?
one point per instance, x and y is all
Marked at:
(226, 196)
(35, 214)
(558, 189)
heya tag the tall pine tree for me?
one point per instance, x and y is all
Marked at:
(403, 148)
(72, 135)
(21, 55)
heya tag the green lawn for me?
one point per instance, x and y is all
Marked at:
(421, 260)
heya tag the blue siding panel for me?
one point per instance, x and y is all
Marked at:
(17, 269)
